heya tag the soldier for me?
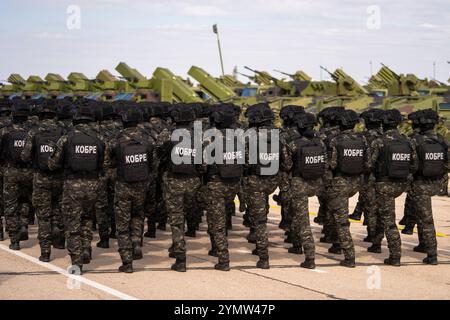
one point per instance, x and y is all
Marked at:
(18, 177)
(366, 200)
(433, 165)
(348, 161)
(133, 154)
(223, 178)
(393, 160)
(329, 119)
(110, 127)
(47, 185)
(304, 159)
(81, 153)
(289, 128)
(182, 180)
(261, 176)
(5, 112)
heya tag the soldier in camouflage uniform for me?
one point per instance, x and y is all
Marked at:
(348, 161)
(366, 200)
(81, 152)
(258, 184)
(329, 129)
(47, 185)
(133, 155)
(288, 129)
(433, 164)
(5, 112)
(110, 127)
(223, 179)
(18, 176)
(182, 180)
(304, 160)
(393, 160)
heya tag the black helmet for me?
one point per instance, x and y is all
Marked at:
(84, 113)
(424, 117)
(348, 119)
(330, 115)
(373, 116)
(133, 115)
(21, 108)
(305, 120)
(289, 112)
(64, 109)
(392, 118)
(5, 106)
(182, 113)
(48, 107)
(223, 115)
(259, 113)
(108, 112)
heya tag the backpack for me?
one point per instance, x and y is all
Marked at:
(43, 149)
(309, 160)
(84, 152)
(432, 159)
(133, 162)
(351, 155)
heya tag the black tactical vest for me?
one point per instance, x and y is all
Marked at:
(235, 157)
(432, 157)
(266, 158)
(43, 147)
(309, 160)
(15, 144)
(84, 153)
(133, 161)
(395, 159)
(187, 154)
(351, 155)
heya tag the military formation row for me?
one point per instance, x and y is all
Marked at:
(113, 167)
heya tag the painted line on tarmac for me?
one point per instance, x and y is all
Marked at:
(63, 272)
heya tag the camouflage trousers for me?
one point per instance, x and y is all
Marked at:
(179, 194)
(300, 190)
(386, 192)
(17, 190)
(47, 195)
(2, 211)
(104, 207)
(78, 202)
(367, 197)
(324, 212)
(421, 193)
(154, 207)
(129, 206)
(341, 189)
(218, 194)
(257, 190)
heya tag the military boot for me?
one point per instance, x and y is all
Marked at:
(190, 232)
(60, 242)
(374, 248)
(255, 252)
(14, 246)
(403, 220)
(335, 249)
(45, 256)
(288, 238)
(126, 268)
(76, 270)
(23, 233)
(408, 229)
(309, 263)
(251, 238)
(392, 262)
(318, 220)
(295, 250)
(179, 265)
(104, 242)
(222, 266)
(326, 239)
(431, 259)
(86, 255)
(151, 230)
(137, 251)
(420, 248)
(355, 216)
(212, 252)
(348, 263)
(263, 263)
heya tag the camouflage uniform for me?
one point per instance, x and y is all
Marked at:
(341, 188)
(80, 193)
(4, 121)
(299, 191)
(17, 186)
(104, 207)
(422, 190)
(47, 190)
(130, 197)
(387, 189)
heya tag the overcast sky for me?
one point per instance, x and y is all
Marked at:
(265, 34)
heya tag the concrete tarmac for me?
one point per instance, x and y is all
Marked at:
(23, 276)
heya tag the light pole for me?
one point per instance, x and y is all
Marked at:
(216, 31)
